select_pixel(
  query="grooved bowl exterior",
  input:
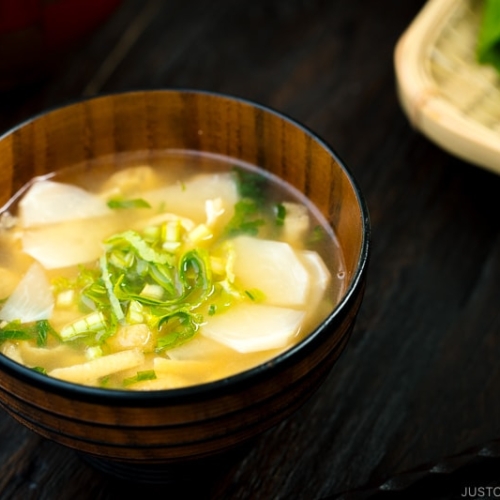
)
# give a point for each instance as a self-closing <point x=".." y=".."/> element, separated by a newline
<point x="162" y="427"/>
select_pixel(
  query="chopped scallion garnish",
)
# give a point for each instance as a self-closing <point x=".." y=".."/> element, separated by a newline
<point x="117" y="203"/>
<point x="92" y="323"/>
<point x="280" y="214"/>
<point x="141" y="376"/>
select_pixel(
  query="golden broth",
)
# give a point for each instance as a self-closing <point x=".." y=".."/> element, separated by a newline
<point x="145" y="271"/>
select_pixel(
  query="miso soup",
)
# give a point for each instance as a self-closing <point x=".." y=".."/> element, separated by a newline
<point x="161" y="271"/>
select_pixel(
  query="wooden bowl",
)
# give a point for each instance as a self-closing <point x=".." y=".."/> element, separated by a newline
<point x="124" y="430"/>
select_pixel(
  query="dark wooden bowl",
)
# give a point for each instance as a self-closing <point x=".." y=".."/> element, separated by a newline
<point x="169" y="427"/>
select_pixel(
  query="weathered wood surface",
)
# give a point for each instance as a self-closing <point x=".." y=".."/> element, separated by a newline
<point x="419" y="380"/>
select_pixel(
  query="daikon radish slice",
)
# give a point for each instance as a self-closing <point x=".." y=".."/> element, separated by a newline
<point x="67" y="243"/>
<point x="201" y="348"/>
<point x="320" y="277"/>
<point x="254" y="327"/>
<point x="272" y="267"/>
<point x="48" y="202"/>
<point x="31" y="300"/>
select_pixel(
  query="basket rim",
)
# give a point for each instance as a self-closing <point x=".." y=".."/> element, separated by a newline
<point x="422" y="99"/>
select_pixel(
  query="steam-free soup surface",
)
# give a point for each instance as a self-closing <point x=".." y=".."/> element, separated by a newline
<point x="159" y="274"/>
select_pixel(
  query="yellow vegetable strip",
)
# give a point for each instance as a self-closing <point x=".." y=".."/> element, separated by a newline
<point x="99" y="367"/>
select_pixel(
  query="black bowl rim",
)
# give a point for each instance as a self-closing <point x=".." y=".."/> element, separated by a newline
<point x="200" y="392"/>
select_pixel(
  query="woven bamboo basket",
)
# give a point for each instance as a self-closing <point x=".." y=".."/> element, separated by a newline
<point x="445" y="93"/>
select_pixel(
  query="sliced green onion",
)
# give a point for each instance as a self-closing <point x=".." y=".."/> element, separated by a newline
<point x="135" y="313"/>
<point x="141" y="375"/>
<point x="132" y="239"/>
<point x="255" y="295"/>
<point x="118" y="203"/>
<point x="114" y="302"/>
<point x="280" y="214"/>
<point x="92" y="323"/>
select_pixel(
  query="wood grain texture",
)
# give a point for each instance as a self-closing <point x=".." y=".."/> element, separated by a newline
<point x="164" y="427"/>
<point x="419" y="380"/>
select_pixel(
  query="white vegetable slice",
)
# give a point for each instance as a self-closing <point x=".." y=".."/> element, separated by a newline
<point x="254" y="327"/>
<point x="31" y="300"/>
<point x="202" y="349"/>
<point x="188" y="371"/>
<point x="272" y="267"/>
<point x="320" y="277"/>
<point x="68" y="243"/>
<point x="48" y="202"/>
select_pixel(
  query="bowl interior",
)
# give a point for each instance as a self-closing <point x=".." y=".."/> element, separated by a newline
<point x="157" y="120"/>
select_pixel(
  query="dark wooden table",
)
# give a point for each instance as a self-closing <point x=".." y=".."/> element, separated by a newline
<point x="414" y="401"/>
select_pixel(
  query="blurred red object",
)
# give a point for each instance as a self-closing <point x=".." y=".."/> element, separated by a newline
<point x="34" y="32"/>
